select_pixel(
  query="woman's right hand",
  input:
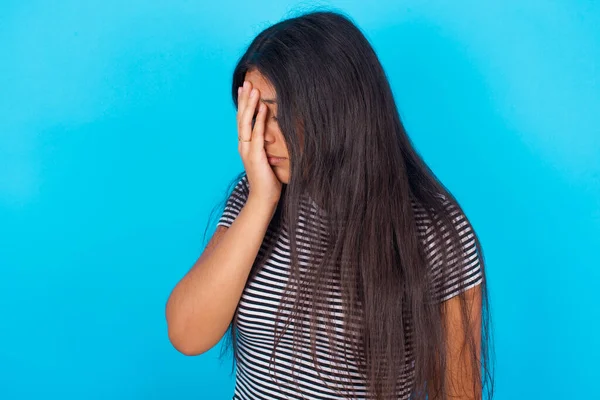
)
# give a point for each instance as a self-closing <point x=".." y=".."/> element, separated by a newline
<point x="264" y="184"/>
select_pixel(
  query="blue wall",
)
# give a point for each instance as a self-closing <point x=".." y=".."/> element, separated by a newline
<point x="117" y="137"/>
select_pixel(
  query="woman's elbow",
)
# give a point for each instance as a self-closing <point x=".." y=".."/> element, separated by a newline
<point x="184" y="342"/>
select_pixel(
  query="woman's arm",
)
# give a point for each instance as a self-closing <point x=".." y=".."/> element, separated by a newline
<point x="460" y="381"/>
<point x="201" y="306"/>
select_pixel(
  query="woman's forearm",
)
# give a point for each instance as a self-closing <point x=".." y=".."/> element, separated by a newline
<point x="203" y="303"/>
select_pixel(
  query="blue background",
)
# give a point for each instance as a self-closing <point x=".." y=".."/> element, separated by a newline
<point x="117" y="138"/>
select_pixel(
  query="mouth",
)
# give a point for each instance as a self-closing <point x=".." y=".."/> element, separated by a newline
<point x="275" y="160"/>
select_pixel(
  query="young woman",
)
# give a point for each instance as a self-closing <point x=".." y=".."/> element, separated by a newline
<point x="342" y="266"/>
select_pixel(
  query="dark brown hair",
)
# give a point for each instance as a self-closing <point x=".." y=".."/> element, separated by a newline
<point x="362" y="169"/>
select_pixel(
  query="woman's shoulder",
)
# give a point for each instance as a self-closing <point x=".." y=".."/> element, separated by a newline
<point x="462" y="270"/>
<point x="244" y="180"/>
<point x="428" y="218"/>
<point x="236" y="199"/>
<point x="242" y="186"/>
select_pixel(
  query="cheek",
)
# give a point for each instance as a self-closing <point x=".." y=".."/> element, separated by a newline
<point x="280" y="140"/>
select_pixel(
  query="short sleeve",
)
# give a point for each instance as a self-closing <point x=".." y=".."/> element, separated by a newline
<point x="455" y="277"/>
<point x="235" y="202"/>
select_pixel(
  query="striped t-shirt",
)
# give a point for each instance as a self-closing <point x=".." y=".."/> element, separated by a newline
<point x="262" y="295"/>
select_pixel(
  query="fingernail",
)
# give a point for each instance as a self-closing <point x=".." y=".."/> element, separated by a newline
<point x="239" y="90"/>
<point x="245" y="84"/>
<point x="253" y="92"/>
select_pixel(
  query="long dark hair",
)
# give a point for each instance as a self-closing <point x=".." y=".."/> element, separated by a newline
<point x="349" y="151"/>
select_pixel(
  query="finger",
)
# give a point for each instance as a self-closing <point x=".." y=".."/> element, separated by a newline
<point x="242" y="106"/>
<point x="248" y="114"/>
<point x="242" y="99"/>
<point x="240" y="109"/>
<point x="259" y="127"/>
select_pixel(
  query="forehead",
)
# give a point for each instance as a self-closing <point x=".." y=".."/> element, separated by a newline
<point x="261" y="83"/>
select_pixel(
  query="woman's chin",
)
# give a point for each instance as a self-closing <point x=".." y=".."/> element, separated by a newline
<point x="283" y="176"/>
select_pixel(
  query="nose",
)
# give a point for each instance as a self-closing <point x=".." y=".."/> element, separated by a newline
<point x="269" y="137"/>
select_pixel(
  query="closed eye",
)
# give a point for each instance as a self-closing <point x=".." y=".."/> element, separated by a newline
<point x="255" y="115"/>
<point x="254" y="118"/>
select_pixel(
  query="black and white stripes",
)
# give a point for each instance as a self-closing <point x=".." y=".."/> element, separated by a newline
<point x="262" y="296"/>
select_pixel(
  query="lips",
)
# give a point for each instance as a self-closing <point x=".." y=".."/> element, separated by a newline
<point x="275" y="160"/>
